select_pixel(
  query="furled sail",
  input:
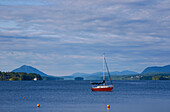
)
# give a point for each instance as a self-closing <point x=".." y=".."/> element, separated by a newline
<point x="95" y="83"/>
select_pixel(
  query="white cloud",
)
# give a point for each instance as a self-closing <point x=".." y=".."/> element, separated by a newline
<point x="78" y="32"/>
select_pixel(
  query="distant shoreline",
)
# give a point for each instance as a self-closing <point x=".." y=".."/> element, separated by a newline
<point x="18" y="76"/>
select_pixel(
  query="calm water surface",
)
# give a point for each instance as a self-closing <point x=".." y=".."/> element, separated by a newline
<point x="76" y="96"/>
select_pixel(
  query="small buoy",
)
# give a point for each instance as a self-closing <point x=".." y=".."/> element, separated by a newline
<point x="108" y="106"/>
<point x="38" y="105"/>
<point x="24" y="97"/>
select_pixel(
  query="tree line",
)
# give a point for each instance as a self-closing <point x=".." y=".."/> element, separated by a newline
<point x="12" y="76"/>
<point x="147" y="76"/>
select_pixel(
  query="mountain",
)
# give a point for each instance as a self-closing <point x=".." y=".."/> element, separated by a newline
<point x="156" y="69"/>
<point x="68" y="77"/>
<point x="126" y="72"/>
<point x="79" y="74"/>
<point x="98" y="75"/>
<point x="29" y="69"/>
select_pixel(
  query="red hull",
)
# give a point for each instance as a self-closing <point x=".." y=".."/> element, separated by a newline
<point x="102" y="89"/>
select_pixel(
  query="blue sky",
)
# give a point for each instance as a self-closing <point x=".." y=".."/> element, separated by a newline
<point x="61" y="37"/>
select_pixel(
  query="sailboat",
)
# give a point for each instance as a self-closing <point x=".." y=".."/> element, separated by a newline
<point x="101" y="86"/>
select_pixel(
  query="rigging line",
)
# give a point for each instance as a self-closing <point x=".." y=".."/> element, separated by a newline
<point x="108" y="71"/>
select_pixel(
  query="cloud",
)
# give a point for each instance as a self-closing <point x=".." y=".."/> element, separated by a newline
<point x="54" y="35"/>
<point x="25" y="3"/>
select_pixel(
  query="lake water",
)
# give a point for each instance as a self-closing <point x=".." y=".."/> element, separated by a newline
<point x="76" y="96"/>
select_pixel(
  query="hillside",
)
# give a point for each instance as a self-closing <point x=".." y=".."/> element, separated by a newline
<point x="126" y="72"/>
<point x="156" y="69"/>
<point x="12" y="76"/>
<point x="99" y="75"/>
<point x="29" y="69"/>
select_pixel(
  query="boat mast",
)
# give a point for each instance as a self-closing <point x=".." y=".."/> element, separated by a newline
<point x="103" y="70"/>
<point x="108" y="71"/>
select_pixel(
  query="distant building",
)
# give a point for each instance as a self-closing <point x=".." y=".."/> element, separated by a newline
<point x="137" y="76"/>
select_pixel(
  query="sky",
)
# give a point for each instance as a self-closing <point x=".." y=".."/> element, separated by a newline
<point x="62" y="37"/>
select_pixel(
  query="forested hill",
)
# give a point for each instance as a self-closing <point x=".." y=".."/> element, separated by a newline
<point x="29" y="69"/>
<point x="156" y="69"/>
<point x="7" y="76"/>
